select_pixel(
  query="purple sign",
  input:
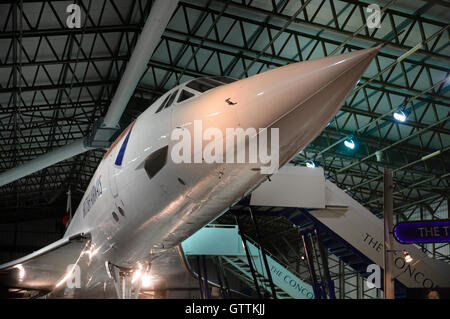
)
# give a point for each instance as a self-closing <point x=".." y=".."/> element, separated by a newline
<point x="433" y="231"/>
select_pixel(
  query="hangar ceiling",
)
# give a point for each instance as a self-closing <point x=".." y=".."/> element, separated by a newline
<point x="56" y="82"/>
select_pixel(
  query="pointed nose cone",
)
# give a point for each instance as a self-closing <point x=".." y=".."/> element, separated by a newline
<point x="301" y="98"/>
<point x="279" y="91"/>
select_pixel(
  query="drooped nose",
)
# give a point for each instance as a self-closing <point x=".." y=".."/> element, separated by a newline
<point x="265" y="98"/>
<point x="300" y="99"/>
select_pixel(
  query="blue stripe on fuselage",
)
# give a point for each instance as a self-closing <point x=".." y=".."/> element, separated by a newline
<point x="119" y="158"/>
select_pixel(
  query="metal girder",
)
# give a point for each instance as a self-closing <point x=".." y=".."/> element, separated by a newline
<point x="324" y="27"/>
<point x="346" y="108"/>
<point x="217" y="45"/>
<point x="233" y="38"/>
<point x="153" y="28"/>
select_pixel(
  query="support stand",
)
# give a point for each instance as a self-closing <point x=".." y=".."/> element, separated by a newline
<point x="122" y="278"/>
<point x="263" y="253"/>
<point x="249" y="258"/>
<point x="322" y="284"/>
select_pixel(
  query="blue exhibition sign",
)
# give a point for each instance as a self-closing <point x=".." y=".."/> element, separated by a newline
<point x="433" y="231"/>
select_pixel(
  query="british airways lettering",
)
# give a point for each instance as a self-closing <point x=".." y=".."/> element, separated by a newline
<point x="93" y="194"/>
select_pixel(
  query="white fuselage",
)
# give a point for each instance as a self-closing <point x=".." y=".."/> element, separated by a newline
<point x="161" y="211"/>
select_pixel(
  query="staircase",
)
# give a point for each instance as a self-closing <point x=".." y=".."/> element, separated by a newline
<point x="243" y="267"/>
<point x="347" y="229"/>
<point x="334" y="244"/>
<point x="225" y="241"/>
<point x="339" y="247"/>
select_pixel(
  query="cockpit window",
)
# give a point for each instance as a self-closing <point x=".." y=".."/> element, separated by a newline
<point x="184" y="95"/>
<point x="172" y="98"/>
<point x="224" y="79"/>
<point x="167" y="102"/>
<point x="203" y="85"/>
<point x="163" y="104"/>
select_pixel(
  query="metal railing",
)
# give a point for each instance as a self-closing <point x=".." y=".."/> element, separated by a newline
<point x="253" y="242"/>
<point x="287" y="266"/>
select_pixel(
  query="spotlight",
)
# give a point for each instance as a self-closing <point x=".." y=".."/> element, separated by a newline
<point x="407" y="256"/>
<point x="21" y="274"/>
<point x="310" y="164"/>
<point x="379" y="155"/>
<point x="136" y="276"/>
<point x="400" y="116"/>
<point x="137" y="273"/>
<point x="349" y="144"/>
<point x="146" y="280"/>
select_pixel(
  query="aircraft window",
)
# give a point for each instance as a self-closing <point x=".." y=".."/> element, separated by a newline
<point x="121" y="211"/>
<point x="184" y="95"/>
<point x="212" y="82"/>
<point x="163" y="104"/>
<point x="203" y="85"/>
<point x="224" y="79"/>
<point x="156" y="161"/>
<point x="114" y="215"/>
<point x="172" y="98"/>
<point x="215" y="82"/>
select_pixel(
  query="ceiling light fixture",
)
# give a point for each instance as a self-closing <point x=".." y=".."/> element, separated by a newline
<point x="310" y="164"/>
<point x="349" y="143"/>
<point x="400" y="116"/>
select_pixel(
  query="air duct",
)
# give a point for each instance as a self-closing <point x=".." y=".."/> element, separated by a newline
<point x="45" y="160"/>
<point x="154" y="27"/>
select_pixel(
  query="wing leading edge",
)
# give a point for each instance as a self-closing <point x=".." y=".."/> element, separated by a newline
<point x="44" y="268"/>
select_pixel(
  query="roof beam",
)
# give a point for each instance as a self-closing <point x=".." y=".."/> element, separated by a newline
<point x="156" y="22"/>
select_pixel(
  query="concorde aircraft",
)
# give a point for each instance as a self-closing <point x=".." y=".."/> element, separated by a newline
<point x="141" y="202"/>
